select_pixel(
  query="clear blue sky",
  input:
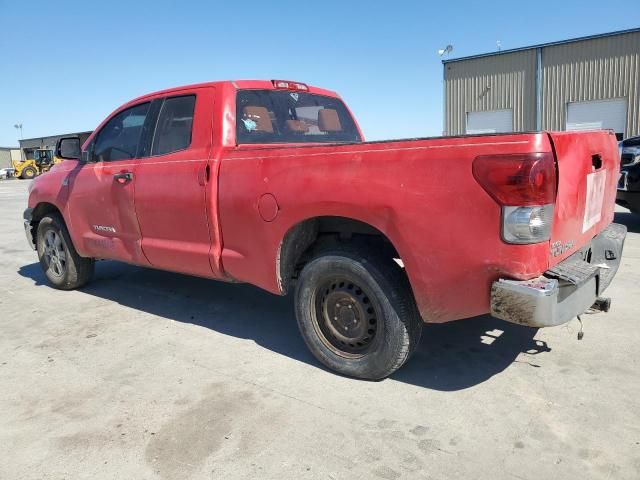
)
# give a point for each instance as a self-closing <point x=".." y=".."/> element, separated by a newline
<point x="65" y="65"/>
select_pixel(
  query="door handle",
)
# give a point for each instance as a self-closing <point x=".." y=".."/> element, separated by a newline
<point x="203" y="175"/>
<point x="123" y="177"/>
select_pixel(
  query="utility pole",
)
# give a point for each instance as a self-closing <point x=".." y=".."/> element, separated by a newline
<point x="18" y="126"/>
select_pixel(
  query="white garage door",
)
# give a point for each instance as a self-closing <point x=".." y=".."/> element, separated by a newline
<point x="598" y="114"/>
<point x="492" y="121"/>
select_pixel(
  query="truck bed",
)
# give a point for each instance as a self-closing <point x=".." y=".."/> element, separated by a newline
<point x="421" y="194"/>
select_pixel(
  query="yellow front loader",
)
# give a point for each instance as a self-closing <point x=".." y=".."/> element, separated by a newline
<point x="43" y="159"/>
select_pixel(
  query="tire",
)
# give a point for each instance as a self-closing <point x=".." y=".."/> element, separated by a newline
<point x="62" y="265"/>
<point x="356" y="313"/>
<point x="28" y="173"/>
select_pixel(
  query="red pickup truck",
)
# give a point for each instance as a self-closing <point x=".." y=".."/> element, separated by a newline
<point x="271" y="183"/>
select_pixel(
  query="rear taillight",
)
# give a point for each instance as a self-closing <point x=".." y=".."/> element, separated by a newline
<point x="524" y="185"/>
<point x="521" y="179"/>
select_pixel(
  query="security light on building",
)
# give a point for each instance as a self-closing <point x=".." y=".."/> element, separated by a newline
<point x="579" y="84"/>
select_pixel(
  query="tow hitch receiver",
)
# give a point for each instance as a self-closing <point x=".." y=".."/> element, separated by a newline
<point x="602" y="304"/>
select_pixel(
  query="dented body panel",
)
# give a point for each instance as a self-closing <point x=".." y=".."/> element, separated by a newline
<point x="222" y="210"/>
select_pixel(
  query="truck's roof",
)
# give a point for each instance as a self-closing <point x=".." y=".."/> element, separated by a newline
<point x="237" y="84"/>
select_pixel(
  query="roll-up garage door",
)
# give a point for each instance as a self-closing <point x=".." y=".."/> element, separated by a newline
<point x="598" y="114"/>
<point x="492" y="121"/>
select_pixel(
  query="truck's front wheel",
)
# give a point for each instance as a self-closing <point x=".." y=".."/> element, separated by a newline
<point x="62" y="265"/>
<point x="357" y="314"/>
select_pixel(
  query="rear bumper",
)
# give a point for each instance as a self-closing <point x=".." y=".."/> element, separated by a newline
<point x="564" y="291"/>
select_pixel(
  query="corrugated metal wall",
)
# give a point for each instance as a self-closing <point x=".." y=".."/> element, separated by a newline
<point x="5" y="158"/>
<point x="597" y="69"/>
<point x="584" y="70"/>
<point x="491" y="83"/>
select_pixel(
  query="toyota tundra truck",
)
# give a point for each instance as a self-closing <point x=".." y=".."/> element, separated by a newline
<point x="271" y="183"/>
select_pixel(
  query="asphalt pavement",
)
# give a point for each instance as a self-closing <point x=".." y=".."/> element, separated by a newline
<point x="145" y="374"/>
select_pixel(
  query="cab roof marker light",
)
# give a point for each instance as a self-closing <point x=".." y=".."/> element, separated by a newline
<point x="289" y="85"/>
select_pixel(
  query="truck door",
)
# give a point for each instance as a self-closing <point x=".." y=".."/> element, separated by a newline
<point x="175" y="197"/>
<point x="101" y="198"/>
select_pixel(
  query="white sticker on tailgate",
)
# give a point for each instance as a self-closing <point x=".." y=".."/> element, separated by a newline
<point x="595" y="196"/>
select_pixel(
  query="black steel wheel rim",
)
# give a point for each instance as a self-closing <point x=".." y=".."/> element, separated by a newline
<point x="347" y="317"/>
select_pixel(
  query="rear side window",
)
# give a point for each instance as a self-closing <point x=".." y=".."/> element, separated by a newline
<point x="278" y="116"/>
<point x="175" y="122"/>
<point x="120" y="137"/>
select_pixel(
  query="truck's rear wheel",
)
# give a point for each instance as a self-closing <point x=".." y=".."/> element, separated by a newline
<point x="357" y="314"/>
<point x="28" y="172"/>
<point x="62" y="265"/>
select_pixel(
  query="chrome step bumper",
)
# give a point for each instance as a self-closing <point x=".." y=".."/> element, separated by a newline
<point x="564" y="291"/>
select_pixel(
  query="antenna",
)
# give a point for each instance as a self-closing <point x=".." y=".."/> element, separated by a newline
<point x="446" y="50"/>
<point x="498" y="45"/>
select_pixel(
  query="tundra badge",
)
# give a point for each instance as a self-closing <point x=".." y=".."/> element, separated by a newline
<point x="558" y="248"/>
<point x="104" y="228"/>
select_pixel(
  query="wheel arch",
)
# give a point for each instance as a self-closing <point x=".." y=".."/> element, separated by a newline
<point x="308" y="235"/>
<point x="43" y="208"/>
<point x="38" y="213"/>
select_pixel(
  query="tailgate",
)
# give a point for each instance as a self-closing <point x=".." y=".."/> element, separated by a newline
<point x="588" y="171"/>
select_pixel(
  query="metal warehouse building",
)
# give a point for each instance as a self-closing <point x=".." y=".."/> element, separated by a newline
<point x="583" y="83"/>
<point x="8" y="155"/>
<point x="29" y="145"/>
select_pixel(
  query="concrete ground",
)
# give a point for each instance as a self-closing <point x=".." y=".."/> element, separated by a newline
<point x="150" y="375"/>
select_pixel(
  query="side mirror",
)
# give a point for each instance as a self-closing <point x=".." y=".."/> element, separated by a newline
<point x="68" y="148"/>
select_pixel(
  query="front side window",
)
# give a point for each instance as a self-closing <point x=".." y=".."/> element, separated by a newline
<point x="173" y="130"/>
<point x="279" y="116"/>
<point x="119" y="138"/>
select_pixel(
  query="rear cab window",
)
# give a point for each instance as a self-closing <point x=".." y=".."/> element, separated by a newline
<point x="279" y="116"/>
<point x="174" y="126"/>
